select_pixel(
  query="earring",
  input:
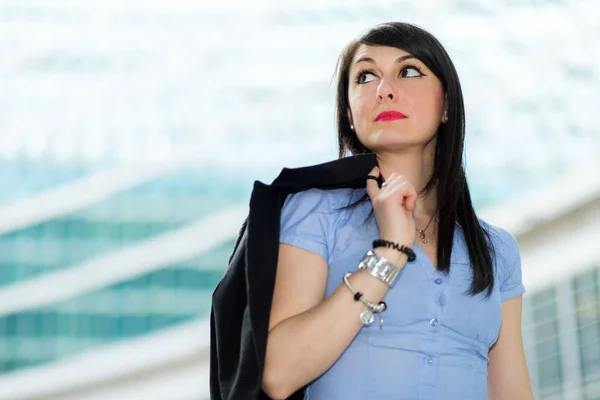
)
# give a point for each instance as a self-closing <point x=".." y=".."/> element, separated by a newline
<point x="351" y="127"/>
<point x="445" y="119"/>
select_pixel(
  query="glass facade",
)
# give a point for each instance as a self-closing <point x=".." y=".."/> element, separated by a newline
<point x="24" y="178"/>
<point x="587" y="302"/>
<point x="547" y="346"/>
<point x="548" y="328"/>
<point x="128" y="218"/>
<point x="161" y="299"/>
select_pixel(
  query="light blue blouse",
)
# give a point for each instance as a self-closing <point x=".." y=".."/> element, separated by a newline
<point x="435" y="339"/>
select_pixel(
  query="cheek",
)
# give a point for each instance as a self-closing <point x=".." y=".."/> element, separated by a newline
<point x="428" y="103"/>
<point x="432" y="102"/>
<point x="360" y="105"/>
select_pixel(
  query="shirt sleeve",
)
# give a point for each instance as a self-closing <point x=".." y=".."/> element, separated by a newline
<point x="305" y="222"/>
<point x="511" y="284"/>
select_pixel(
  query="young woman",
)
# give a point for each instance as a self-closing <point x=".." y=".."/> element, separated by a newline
<point x="353" y="316"/>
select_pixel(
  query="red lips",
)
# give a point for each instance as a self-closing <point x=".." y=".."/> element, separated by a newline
<point x="390" y="116"/>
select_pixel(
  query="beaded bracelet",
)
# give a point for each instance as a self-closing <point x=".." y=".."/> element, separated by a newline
<point x="366" y="317"/>
<point x="403" y="249"/>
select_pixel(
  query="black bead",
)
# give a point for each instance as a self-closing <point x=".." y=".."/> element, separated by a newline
<point x="403" y="249"/>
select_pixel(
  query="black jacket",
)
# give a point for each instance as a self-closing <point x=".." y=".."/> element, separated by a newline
<point x="241" y="303"/>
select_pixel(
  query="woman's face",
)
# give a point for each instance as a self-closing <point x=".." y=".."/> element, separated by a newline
<point x="387" y="79"/>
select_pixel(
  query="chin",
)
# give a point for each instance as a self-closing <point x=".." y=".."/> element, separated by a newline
<point x="390" y="138"/>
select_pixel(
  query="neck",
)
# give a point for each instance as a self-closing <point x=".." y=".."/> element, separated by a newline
<point x="417" y="168"/>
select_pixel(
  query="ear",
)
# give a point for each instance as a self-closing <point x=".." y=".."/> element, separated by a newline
<point x="445" y="113"/>
<point x="349" y="113"/>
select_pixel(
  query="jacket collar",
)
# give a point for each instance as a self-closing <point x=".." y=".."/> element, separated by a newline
<point x="345" y="172"/>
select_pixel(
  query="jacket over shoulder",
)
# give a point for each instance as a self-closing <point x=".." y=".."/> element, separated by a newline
<point x="241" y="303"/>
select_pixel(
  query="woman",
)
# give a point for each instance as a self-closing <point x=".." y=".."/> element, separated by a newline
<point x="444" y="326"/>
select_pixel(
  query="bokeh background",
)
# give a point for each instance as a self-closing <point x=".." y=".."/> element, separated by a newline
<point x="131" y="132"/>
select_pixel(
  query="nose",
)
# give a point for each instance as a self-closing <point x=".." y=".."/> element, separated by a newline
<point x="385" y="92"/>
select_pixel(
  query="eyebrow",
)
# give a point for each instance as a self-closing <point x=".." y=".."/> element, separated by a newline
<point x="398" y="60"/>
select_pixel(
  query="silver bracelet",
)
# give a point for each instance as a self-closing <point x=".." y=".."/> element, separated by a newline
<point x="366" y="317"/>
<point x="380" y="268"/>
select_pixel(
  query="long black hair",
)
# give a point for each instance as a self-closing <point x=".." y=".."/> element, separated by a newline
<point x="453" y="197"/>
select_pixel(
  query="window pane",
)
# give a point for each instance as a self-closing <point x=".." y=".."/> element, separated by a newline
<point x="548" y="351"/>
<point x="587" y="304"/>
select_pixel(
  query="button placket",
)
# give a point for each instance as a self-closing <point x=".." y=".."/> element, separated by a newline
<point x="431" y="332"/>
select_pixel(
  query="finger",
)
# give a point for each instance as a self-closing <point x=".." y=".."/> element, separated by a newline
<point x="405" y="189"/>
<point x="410" y="198"/>
<point x="391" y="185"/>
<point x="372" y="185"/>
<point x="391" y="179"/>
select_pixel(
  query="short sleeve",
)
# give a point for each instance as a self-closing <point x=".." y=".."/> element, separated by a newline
<point x="511" y="284"/>
<point x="305" y="221"/>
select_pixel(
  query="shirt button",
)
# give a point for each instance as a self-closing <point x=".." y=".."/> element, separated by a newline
<point x="438" y="281"/>
<point x="442" y="300"/>
<point x="433" y="322"/>
<point x="429" y="361"/>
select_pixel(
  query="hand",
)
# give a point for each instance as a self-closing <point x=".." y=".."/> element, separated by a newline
<point x="393" y="204"/>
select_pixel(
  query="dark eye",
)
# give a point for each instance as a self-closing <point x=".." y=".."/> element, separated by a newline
<point x="363" y="77"/>
<point x="410" y="72"/>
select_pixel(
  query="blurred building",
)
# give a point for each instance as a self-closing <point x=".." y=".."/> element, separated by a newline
<point x="131" y="132"/>
<point x="558" y="229"/>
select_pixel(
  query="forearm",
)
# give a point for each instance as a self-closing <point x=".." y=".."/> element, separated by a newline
<point x="302" y="347"/>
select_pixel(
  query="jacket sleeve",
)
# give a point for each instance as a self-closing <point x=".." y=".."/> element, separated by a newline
<point x="233" y="363"/>
<point x="228" y="325"/>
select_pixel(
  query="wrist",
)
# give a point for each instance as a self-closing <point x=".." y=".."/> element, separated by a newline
<point x="380" y="267"/>
<point x="394" y="257"/>
<point x="401" y="251"/>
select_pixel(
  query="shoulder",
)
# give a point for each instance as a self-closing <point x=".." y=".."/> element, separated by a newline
<point x="320" y="200"/>
<point x="505" y="244"/>
<point x="500" y="236"/>
<point x="507" y="261"/>
<point x="309" y="219"/>
<point x="319" y="209"/>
